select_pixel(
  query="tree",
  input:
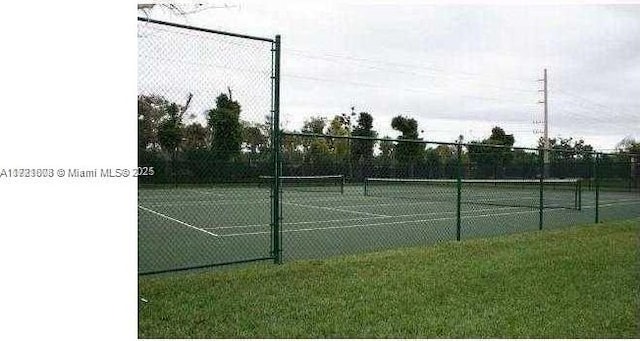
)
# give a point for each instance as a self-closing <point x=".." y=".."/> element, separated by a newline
<point x="491" y="161"/>
<point x="441" y="161"/>
<point x="363" y="149"/>
<point x="314" y="125"/>
<point x="629" y="145"/>
<point x="338" y="127"/>
<point x="499" y="137"/>
<point x="170" y="129"/>
<point x="253" y="137"/>
<point x="292" y="151"/>
<point x="316" y="150"/>
<point x="524" y="165"/>
<point x="226" y="131"/>
<point x="569" y="157"/>
<point x="632" y="147"/>
<point x="255" y="141"/>
<point x="504" y="156"/>
<point x="568" y="149"/>
<point x="407" y="152"/>
<point x="386" y="149"/>
<point x="384" y="162"/>
<point x="160" y="123"/>
<point x="160" y="131"/>
<point x="182" y="10"/>
<point x="195" y="137"/>
<point x="151" y="110"/>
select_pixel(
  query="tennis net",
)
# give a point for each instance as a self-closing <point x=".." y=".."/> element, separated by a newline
<point x="556" y="193"/>
<point x="316" y="183"/>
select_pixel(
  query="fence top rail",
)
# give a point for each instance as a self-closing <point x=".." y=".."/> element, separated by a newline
<point x="355" y="137"/>
<point x="302" y="177"/>
<point x="475" y="181"/>
<point x="194" y="28"/>
<point x="288" y="133"/>
<point x="285" y="133"/>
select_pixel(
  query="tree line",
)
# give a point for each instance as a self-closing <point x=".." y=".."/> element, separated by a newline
<point x="166" y="140"/>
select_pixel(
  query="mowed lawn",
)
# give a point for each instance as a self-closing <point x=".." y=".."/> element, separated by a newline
<point x="580" y="282"/>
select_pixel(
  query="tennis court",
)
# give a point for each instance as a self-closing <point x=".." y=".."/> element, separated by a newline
<point x="188" y="227"/>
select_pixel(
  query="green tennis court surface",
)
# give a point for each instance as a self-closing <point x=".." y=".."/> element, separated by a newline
<point x="200" y="226"/>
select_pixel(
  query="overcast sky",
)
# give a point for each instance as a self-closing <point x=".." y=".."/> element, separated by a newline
<point x="456" y="69"/>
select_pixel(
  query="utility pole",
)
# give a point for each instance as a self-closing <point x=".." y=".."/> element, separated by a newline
<point x="545" y="137"/>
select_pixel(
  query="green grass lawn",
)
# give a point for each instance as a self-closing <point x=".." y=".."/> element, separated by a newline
<point x="580" y="282"/>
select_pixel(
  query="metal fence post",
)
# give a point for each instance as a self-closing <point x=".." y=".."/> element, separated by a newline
<point x="459" y="189"/>
<point x="276" y="210"/>
<point x="596" y="174"/>
<point x="541" y="204"/>
<point x="579" y="194"/>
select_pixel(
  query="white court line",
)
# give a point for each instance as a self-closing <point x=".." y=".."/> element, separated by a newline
<point x="236" y="201"/>
<point x="396" y="204"/>
<point x="205" y="202"/>
<point x="607" y="201"/>
<point x="337" y="209"/>
<point x="375" y="216"/>
<point x="361" y="219"/>
<point x="412" y="221"/>
<point x="178" y="221"/>
<point x="322" y="199"/>
<point x="467" y="200"/>
<point x="386" y="223"/>
<point x="613" y="204"/>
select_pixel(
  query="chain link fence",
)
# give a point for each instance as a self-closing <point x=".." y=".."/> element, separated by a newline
<point x="205" y="117"/>
<point x="411" y="192"/>
<point x="618" y="182"/>
<point x="221" y="194"/>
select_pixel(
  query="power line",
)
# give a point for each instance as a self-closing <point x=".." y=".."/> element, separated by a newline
<point x="407" y="89"/>
<point x="380" y="62"/>
<point x="432" y="72"/>
<point x="582" y="101"/>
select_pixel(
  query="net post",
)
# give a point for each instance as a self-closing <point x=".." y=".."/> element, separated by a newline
<point x="541" y="203"/>
<point x="366" y="181"/>
<point x="276" y="205"/>
<point x="342" y="184"/>
<point x="459" y="191"/>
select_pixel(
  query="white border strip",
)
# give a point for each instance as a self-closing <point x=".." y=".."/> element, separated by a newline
<point x="178" y="221"/>
<point x="385" y="223"/>
<point x="361" y="219"/>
